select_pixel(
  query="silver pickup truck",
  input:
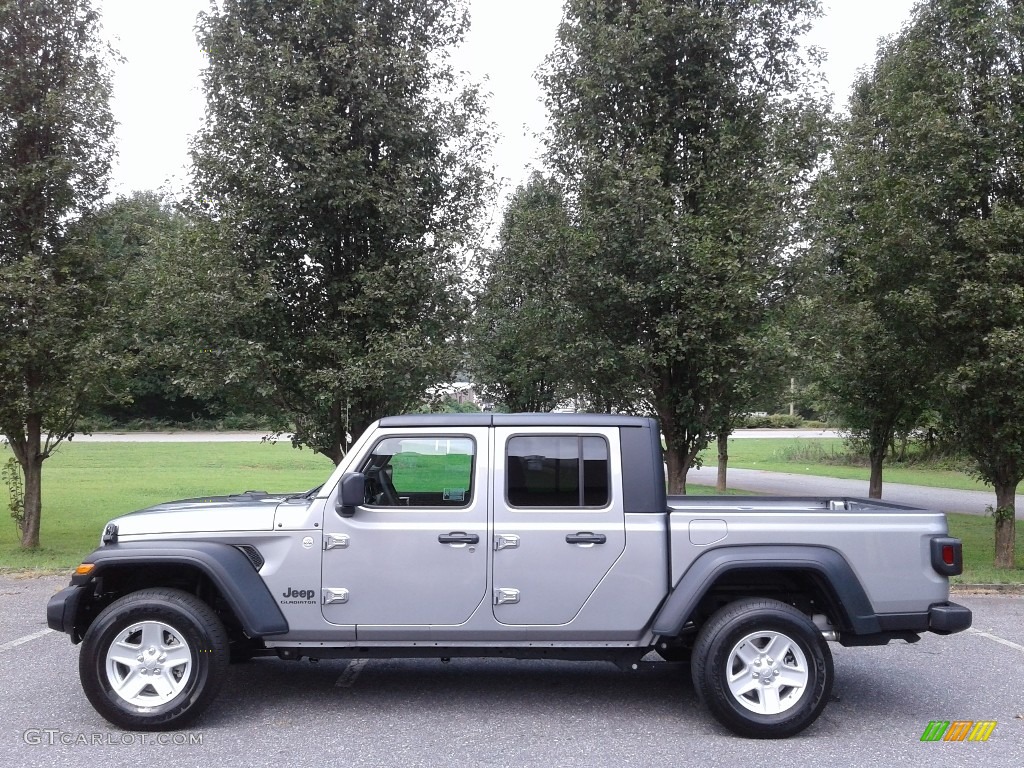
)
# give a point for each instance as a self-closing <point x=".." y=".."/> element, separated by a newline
<point x="520" y="535"/>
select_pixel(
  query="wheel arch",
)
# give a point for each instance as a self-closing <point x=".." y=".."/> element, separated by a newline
<point x="729" y="573"/>
<point x="219" y="573"/>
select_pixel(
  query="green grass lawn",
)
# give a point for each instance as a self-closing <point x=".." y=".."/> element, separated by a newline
<point x="808" y="456"/>
<point x="86" y="484"/>
<point x="978" y="536"/>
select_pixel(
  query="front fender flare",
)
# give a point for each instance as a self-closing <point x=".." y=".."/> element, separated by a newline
<point x="828" y="566"/>
<point x="228" y="569"/>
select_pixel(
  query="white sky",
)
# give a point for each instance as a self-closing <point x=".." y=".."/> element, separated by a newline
<point x="158" y="98"/>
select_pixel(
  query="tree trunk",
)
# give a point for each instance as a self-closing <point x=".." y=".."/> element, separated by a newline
<point x="875" y="483"/>
<point x="676" y="472"/>
<point x="676" y="462"/>
<point x="334" y="453"/>
<point x="1005" y="524"/>
<point x="723" y="460"/>
<point x="33" y="503"/>
<point x="29" y="455"/>
<point x="879" y="440"/>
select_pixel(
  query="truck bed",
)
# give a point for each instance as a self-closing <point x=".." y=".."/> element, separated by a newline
<point x="886" y="545"/>
<point x="791" y="504"/>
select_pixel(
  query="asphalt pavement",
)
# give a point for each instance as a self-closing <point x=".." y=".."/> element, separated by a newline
<point x="500" y="712"/>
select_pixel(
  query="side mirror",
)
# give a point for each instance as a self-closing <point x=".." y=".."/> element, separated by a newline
<point x="352" y="493"/>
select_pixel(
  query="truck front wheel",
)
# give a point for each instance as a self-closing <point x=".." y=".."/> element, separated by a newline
<point x="154" y="659"/>
<point x="762" y="668"/>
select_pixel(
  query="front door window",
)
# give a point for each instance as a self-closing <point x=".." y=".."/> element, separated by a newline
<point x="420" y="472"/>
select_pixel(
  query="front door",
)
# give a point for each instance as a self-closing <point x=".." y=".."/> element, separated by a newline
<point x="415" y="553"/>
<point x="559" y="526"/>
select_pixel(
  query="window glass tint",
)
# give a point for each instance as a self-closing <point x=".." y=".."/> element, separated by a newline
<point x="557" y="471"/>
<point x="420" y="472"/>
<point x="595" y="472"/>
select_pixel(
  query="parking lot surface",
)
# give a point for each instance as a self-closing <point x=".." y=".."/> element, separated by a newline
<point x="517" y="713"/>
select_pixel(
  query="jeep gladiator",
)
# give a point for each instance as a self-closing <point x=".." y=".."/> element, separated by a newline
<point x="516" y="535"/>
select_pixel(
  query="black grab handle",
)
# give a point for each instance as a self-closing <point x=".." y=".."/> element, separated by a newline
<point x="586" y="538"/>
<point x="458" y="537"/>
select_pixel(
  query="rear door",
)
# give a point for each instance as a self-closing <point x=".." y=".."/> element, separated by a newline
<point x="559" y="525"/>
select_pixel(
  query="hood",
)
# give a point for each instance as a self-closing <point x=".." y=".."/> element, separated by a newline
<point x="249" y="511"/>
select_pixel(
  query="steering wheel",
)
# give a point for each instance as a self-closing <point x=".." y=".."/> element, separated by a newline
<point x="387" y="488"/>
<point x="386" y="495"/>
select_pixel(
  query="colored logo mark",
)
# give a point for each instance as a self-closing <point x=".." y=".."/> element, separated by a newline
<point x="958" y="730"/>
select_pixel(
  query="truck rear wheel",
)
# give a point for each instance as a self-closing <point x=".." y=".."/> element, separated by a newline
<point x="154" y="659"/>
<point x="762" y="668"/>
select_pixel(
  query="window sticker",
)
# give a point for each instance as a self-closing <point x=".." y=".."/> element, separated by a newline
<point x="454" y="494"/>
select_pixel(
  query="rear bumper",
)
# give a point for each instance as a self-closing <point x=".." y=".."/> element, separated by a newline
<point x="940" y="618"/>
<point x="947" y="618"/>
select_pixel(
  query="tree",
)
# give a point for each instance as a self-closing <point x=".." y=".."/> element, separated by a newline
<point x="149" y="251"/>
<point x="867" y="317"/>
<point x="136" y="234"/>
<point x="767" y="358"/>
<point x="943" y="239"/>
<point x="684" y="132"/>
<point x="520" y="330"/>
<point x="55" y="151"/>
<point x="971" y="118"/>
<point x="343" y="162"/>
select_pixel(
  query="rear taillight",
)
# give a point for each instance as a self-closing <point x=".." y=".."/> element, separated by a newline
<point x="947" y="556"/>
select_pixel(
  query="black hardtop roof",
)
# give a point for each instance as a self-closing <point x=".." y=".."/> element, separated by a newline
<point x="517" y="420"/>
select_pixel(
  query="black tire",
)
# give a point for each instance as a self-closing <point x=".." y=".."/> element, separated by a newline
<point x="754" y="640"/>
<point x="165" y="649"/>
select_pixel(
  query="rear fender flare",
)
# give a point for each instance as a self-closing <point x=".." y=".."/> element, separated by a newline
<point x="828" y="566"/>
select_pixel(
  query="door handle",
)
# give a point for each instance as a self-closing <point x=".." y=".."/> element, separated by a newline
<point x="458" y="537"/>
<point x="586" y="538"/>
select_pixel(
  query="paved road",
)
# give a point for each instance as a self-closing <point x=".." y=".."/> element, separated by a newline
<point x="786" y="484"/>
<point x="517" y="713"/>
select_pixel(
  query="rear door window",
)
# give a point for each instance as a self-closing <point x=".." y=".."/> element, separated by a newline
<point x="557" y="471"/>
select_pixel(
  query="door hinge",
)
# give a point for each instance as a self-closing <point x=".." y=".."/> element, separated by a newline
<point x="505" y="541"/>
<point x="505" y="596"/>
<point x="336" y="541"/>
<point x="334" y="595"/>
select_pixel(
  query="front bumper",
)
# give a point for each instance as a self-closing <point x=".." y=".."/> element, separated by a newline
<point x="62" y="610"/>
